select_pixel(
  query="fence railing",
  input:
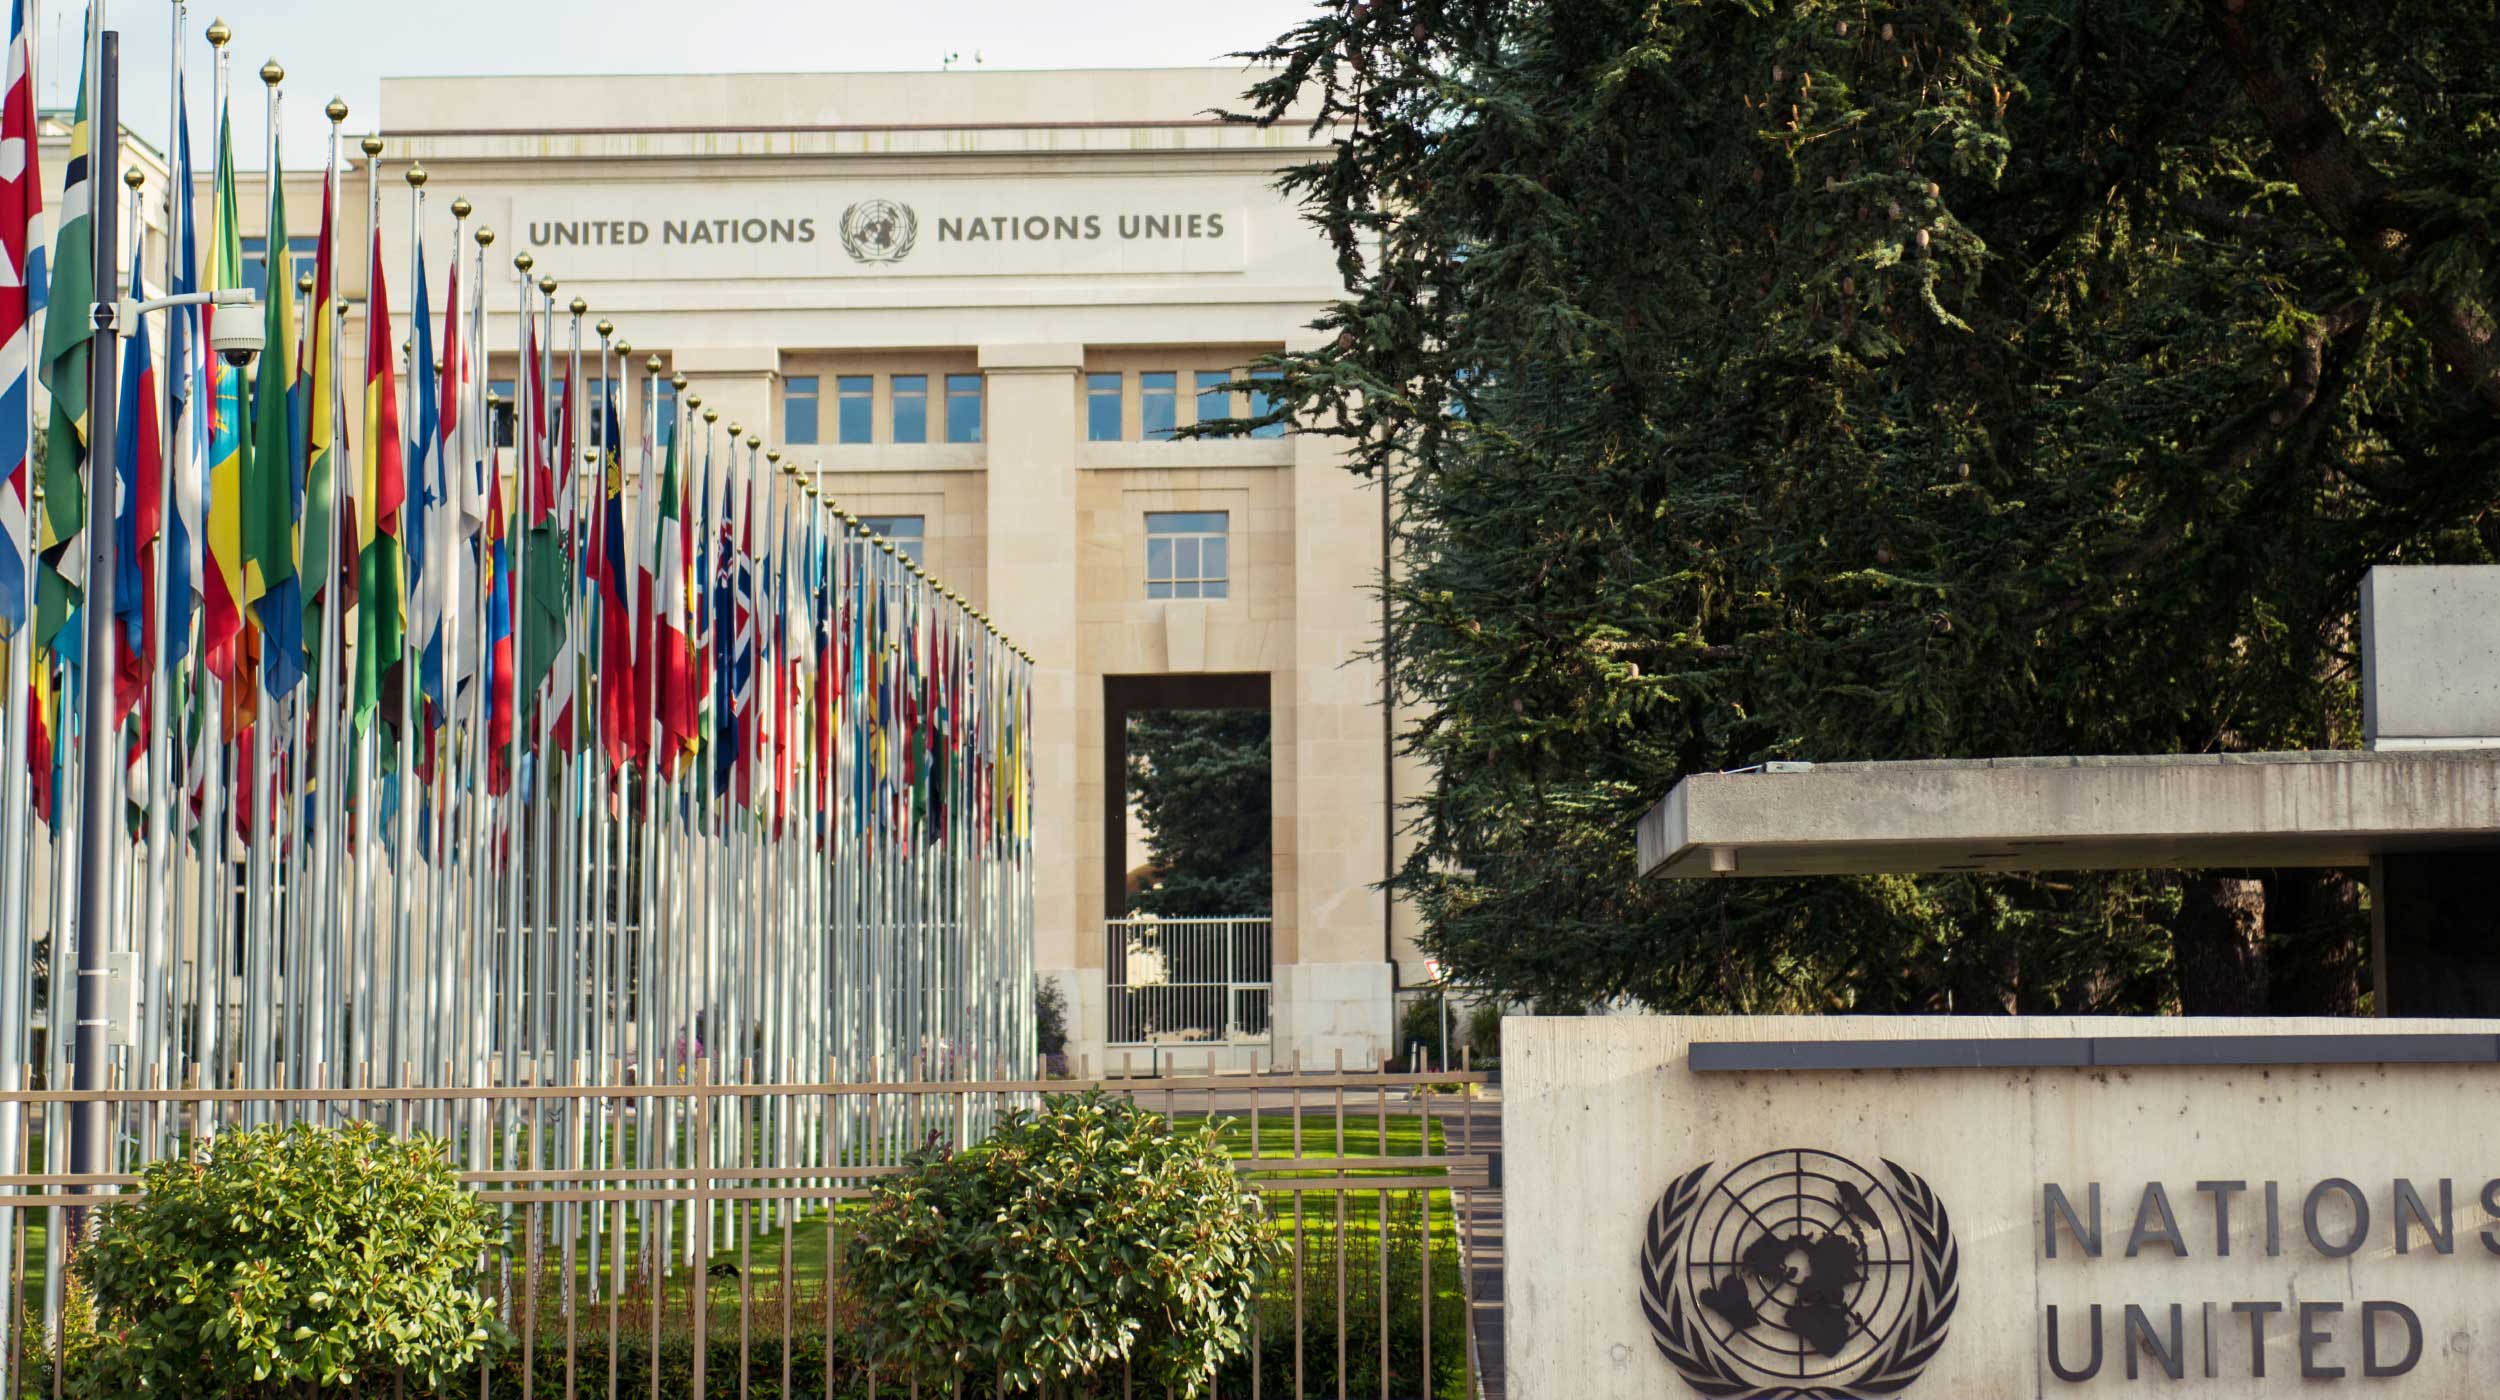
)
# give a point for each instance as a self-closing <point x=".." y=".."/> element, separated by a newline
<point x="1188" y="981"/>
<point x="687" y="1238"/>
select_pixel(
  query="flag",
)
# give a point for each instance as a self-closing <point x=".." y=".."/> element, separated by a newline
<point x="620" y="666"/>
<point x="500" y="673"/>
<point x="222" y="596"/>
<point x="21" y="296"/>
<point x="317" y="371"/>
<point x="64" y="375"/>
<point x="382" y="563"/>
<point x="138" y="469"/>
<point x="272" y="473"/>
<point x="673" y="646"/>
<point x="185" y="545"/>
<point x="432" y="532"/>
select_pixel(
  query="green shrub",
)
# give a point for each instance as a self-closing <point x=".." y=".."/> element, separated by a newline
<point x="280" y="1256"/>
<point x="1484" y="1035"/>
<point x="1078" y="1239"/>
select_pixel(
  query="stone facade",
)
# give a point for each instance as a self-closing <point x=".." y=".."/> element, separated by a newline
<point x="1085" y="186"/>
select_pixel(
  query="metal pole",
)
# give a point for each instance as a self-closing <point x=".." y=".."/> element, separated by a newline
<point x="101" y="816"/>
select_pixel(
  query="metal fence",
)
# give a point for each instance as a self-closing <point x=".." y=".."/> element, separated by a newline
<point x="1188" y="981"/>
<point x="687" y="1238"/>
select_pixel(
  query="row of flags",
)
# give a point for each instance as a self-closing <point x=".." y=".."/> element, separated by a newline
<point x="721" y="608"/>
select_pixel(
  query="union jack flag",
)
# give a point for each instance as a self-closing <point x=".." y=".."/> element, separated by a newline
<point x="21" y="296"/>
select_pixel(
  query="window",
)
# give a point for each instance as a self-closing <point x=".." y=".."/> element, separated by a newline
<point x="1102" y="408"/>
<point x="502" y="390"/>
<point x="303" y="255"/>
<point x="1186" y="554"/>
<point x="909" y="533"/>
<point x="1214" y="399"/>
<point x="855" y="394"/>
<point x="1158" y="395"/>
<point x="911" y="407"/>
<point x="667" y="412"/>
<point x="798" y="409"/>
<point x="963" y="408"/>
<point x="1264" y="402"/>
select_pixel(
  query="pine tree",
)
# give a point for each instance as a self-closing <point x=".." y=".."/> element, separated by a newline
<point x="1845" y="380"/>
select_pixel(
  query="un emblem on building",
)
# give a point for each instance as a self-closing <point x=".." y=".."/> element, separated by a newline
<point x="879" y="231"/>
<point x="1799" y="1275"/>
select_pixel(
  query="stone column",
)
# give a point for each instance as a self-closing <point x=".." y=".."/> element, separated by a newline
<point x="1032" y="501"/>
<point x="1334" y="976"/>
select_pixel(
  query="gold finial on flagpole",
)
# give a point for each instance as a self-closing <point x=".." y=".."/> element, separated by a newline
<point x="579" y="305"/>
<point x="711" y="416"/>
<point x="336" y="111"/>
<point x="524" y="262"/>
<point x="693" y="401"/>
<point x="605" y="327"/>
<point x="371" y="145"/>
<point x="653" y="365"/>
<point x="547" y="284"/>
<point x="485" y="236"/>
<point x="304" y="282"/>
<point x="623" y="348"/>
<point x="734" y="429"/>
<point x="272" y="73"/>
<point x="675" y="381"/>
<point x="773" y="455"/>
<point x="416" y="177"/>
<point x="134" y="177"/>
<point x="460" y="207"/>
<point x="218" y="34"/>
<point x="753" y="442"/>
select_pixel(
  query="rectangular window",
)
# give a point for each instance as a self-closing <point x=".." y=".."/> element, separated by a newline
<point x="855" y="397"/>
<point x="1214" y="400"/>
<point x="1158" y="395"/>
<point x="911" y="408"/>
<point x="594" y="411"/>
<point x="1188" y="554"/>
<point x="303" y="255"/>
<point x="798" y="409"/>
<point x="909" y="533"/>
<point x="1264" y="402"/>
<point x="668" y="413"/>
<point x="963" y="408"/>
<point x="1102" y="408"/>
<point x="502" y="390"/>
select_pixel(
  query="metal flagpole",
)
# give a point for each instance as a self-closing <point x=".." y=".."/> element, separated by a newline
<point x="258" y="1034"/>
<point x="364" y="1038"/>
<point x="329" y="806"/>
<point x="404" y="1002"/>
<point x="97" y="837"/>
<point x="511" y="978"/>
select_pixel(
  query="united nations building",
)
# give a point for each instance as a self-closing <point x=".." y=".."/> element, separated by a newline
<point x="983" y="309"/>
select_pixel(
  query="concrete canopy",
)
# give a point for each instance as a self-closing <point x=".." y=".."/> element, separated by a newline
<point x="2186" y="811"/>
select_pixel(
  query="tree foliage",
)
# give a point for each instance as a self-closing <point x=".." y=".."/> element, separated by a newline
<point x="1201" y="784"/>
<point x="1837" y="379"/>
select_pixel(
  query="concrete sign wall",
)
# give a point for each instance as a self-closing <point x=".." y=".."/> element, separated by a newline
<point x="2043" y="1207"/>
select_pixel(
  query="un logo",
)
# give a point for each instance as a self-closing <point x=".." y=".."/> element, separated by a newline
<point x="1799" y="1275"/>
<point x="879" y="231"/>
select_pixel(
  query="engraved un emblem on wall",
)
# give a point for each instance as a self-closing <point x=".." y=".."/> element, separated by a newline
<point x="1799" y="1275"/>
<point x="879" y="231"/>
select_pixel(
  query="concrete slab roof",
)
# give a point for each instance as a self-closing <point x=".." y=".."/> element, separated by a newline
<point x="2181" y="811"/>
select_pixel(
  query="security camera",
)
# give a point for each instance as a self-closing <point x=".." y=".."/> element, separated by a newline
<point x="236" y="337"/>
<point x="236" y="334"/>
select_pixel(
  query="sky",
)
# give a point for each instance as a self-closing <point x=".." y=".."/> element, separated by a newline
<point x="345" y="48"/>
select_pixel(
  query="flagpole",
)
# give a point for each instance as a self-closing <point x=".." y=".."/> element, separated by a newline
<point x="403" y="931"/>
<point x="103" y="810"/>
